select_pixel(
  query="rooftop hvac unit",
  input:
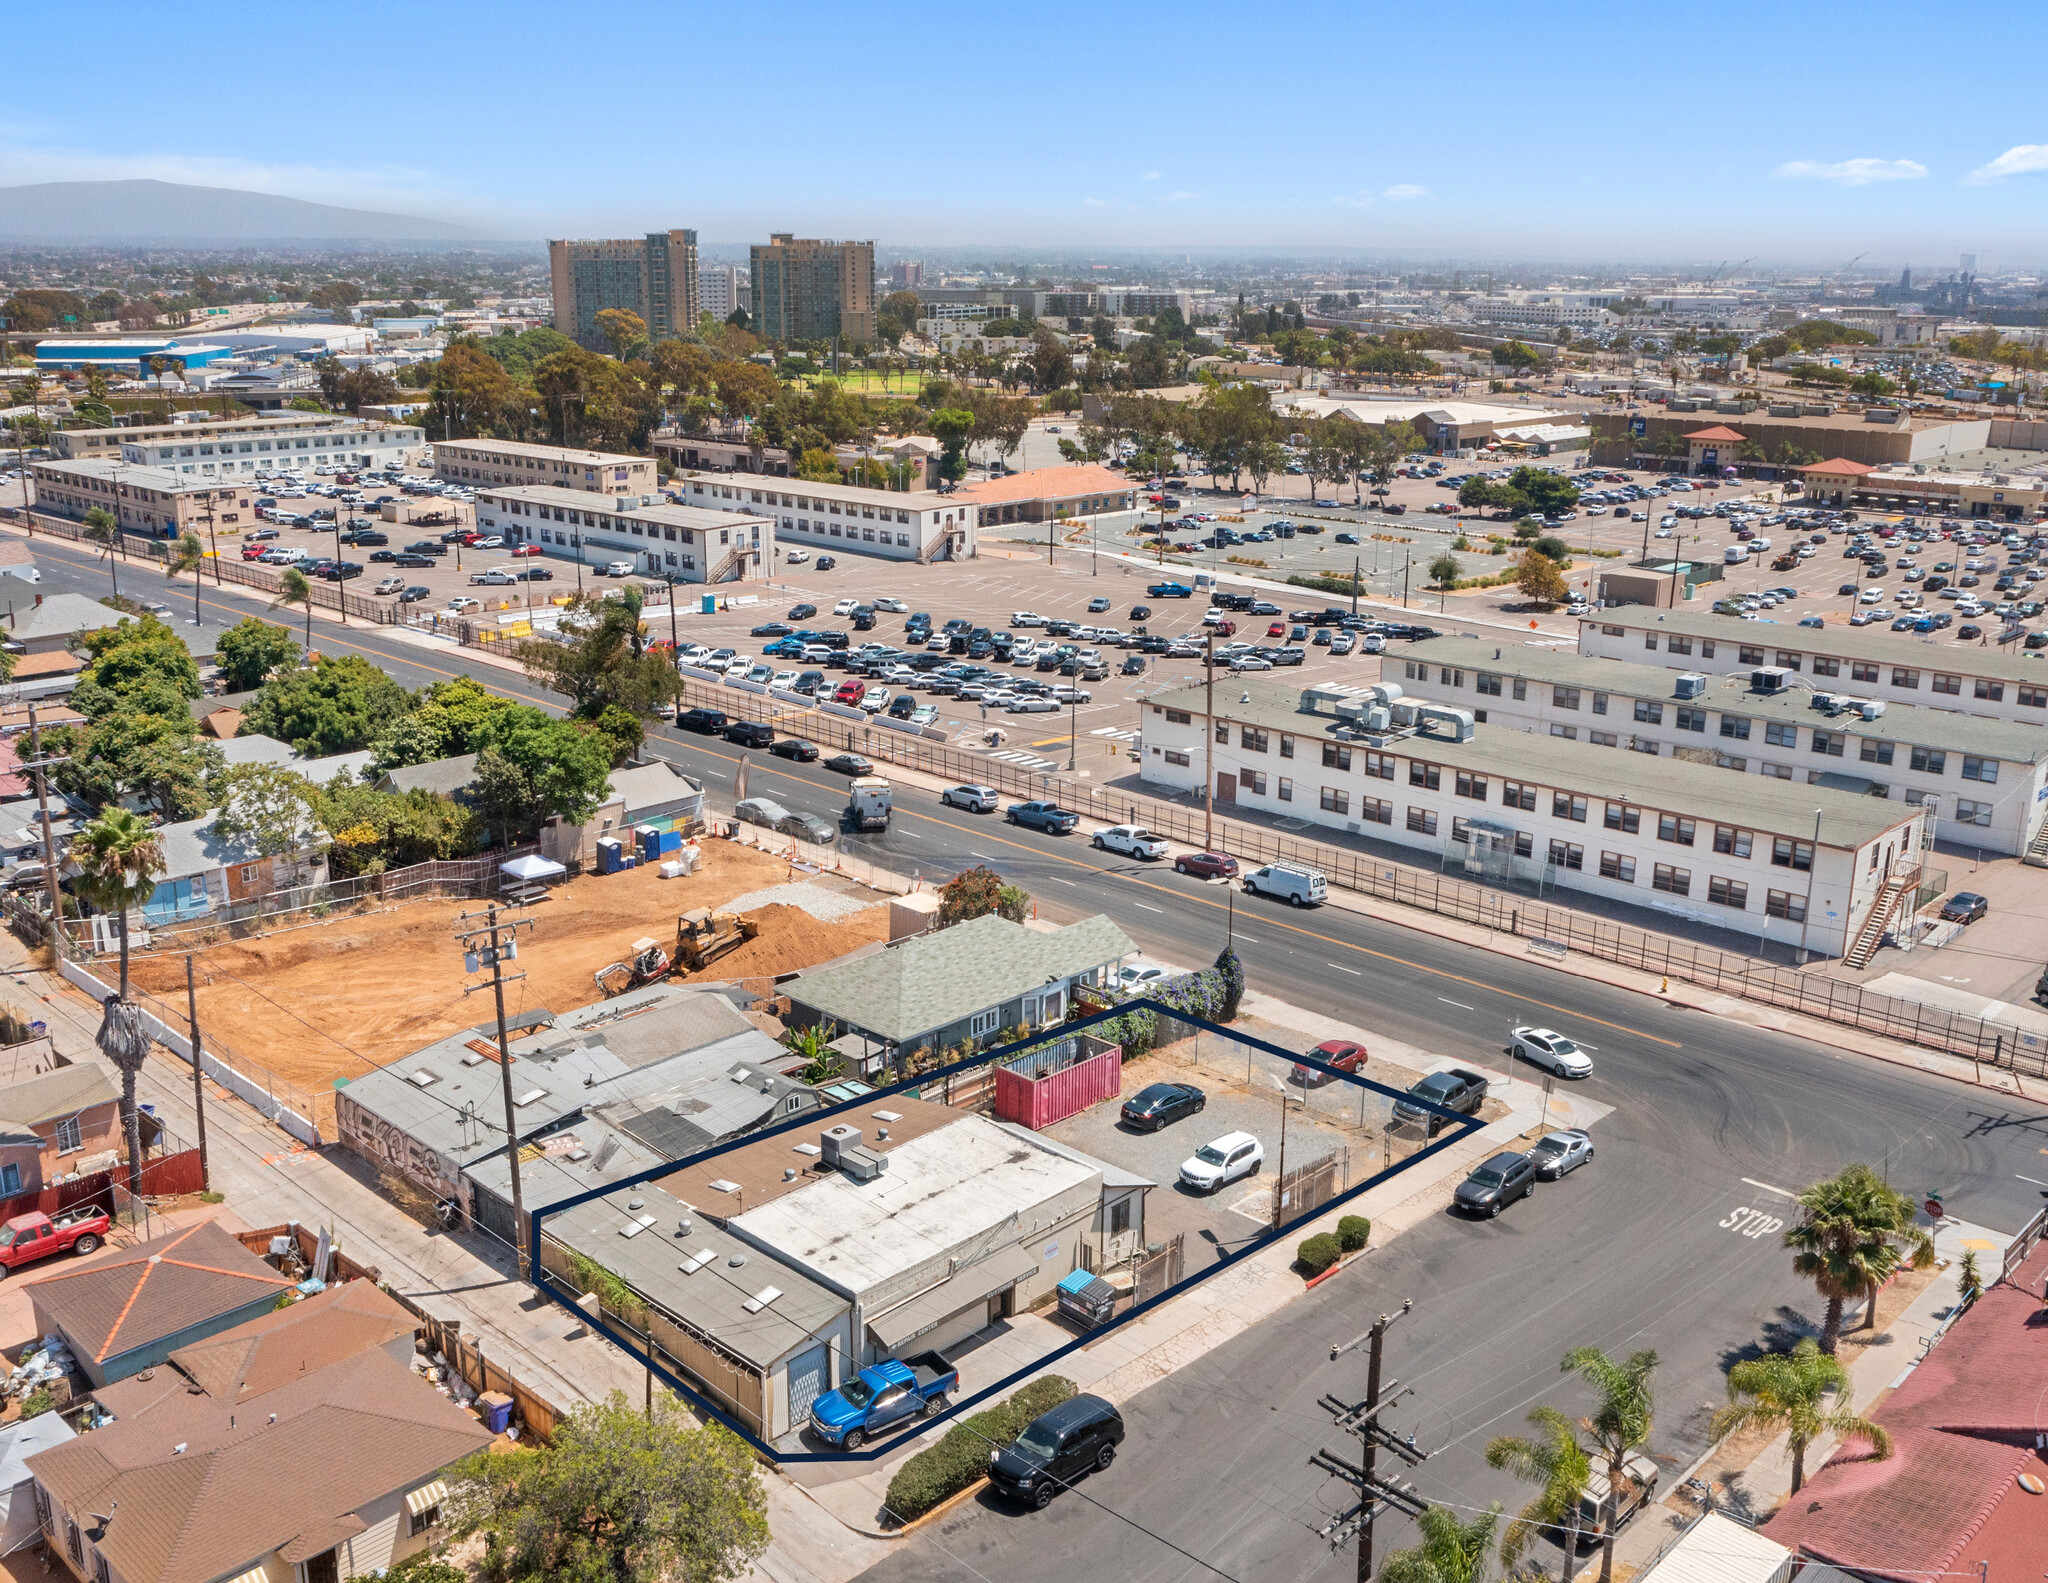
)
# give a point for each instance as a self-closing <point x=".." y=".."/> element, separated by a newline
<point x="862" y="1165"/>
<point x="1691" y="684"/>
<point x="1769" y="679"/>
<point x="1872" y="708"/>
<point x="1379" y="719"/>
<point x="1437" y="720"/>
<point x="834" y="1141"/>
<point x="1403" y="712"/>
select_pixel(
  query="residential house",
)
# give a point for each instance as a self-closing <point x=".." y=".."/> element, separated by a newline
<point x="20" y="1440"/>
<point x="61" y="1124"/>
<point x="127" y="1309"/>
<point x="449" y="777"/>
<point x="56" y="621"/>
<point x="655" y="796"/>
<point x="205" y="871"/>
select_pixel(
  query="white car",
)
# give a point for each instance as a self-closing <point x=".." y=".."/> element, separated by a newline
<point x="1031" y="704"/>
<point x="1871" y="596"/>
<point x="784" y="679"/>
<point x="875" y="700"/>
<point x="975" y="799"/>
<point x="1373" y="643"/>
<point x="460" y="603"/>
<point x="1139" y="975"/>
<point x="1231" y="1156"/>
<point x="796" y="557"/>
<point x="845" y="607"/>
<point x="895" y="605"/>
<point x="1250" y="662"/>
<point x="1133" y="840"/>
<point x="1552" y="1051"/>
<point x="1026" y="618"/>
<point x="738" y="665"/>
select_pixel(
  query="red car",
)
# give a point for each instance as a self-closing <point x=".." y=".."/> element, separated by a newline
<point x="1343" y="1054"/>
<point x="1277" y="630"/>
<point x="850" y="692"/>
<point x="1207" y="865"/>
<point x="251" y="551"/>
<point x="524" y="549"/>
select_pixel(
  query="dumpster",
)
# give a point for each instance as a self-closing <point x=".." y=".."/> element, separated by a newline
<point x="1087" y="1298"/>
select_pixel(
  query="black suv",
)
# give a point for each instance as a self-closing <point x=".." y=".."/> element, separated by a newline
<point x="749" y="733"/>
<point x="704" y="720"/>
<point x="1056" y="1448"/>
<point x="1455" y="1089"/>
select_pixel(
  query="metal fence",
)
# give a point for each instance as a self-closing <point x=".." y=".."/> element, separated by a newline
<point x="1546" y="927"/>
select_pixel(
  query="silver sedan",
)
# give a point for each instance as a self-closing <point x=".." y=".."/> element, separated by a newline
<point x="1560" y="1153"/>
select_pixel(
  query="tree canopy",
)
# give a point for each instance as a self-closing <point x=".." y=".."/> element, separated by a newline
<point x="339" y="705"/>
<point x="250" y="650"/>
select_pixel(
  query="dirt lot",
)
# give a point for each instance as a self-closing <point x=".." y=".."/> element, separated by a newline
<point x="313" y="1004"/>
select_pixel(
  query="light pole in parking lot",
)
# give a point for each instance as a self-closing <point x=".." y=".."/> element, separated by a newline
<point x="1073" y="720"/>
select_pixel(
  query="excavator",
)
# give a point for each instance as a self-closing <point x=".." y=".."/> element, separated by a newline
<point x="648" y="964"/>
<point x="702" y="937"/>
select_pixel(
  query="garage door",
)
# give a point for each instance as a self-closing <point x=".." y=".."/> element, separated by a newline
<point x="955" y="1329"/>
<point x="807" y="1382"/>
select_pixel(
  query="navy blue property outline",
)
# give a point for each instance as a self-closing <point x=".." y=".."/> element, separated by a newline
<point x="1461" y="1126"/>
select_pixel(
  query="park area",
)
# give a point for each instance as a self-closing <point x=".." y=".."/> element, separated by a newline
<point x="333" y="999"/>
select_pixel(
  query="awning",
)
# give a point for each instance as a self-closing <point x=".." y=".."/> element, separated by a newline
<point x="253" y="1575"/>
<point x="426" y="1497"/>
<point x="532" y="866"/>
<point x="975" y="1284"/>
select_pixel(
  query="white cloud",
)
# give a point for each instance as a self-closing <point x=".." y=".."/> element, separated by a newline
<point x="2023" y="159"/>
<point x="1151" y="175"/>
<point x="1091" y="203"/>
<point x="1852" y="172"/>
<point x="1404" y="191"/>
<point x="1355" y="200"/>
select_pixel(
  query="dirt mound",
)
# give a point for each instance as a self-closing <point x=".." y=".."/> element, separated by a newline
<point x="792" y="939"/>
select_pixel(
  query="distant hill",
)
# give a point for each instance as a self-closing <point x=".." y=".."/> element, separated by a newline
<point x="167" y="212"/>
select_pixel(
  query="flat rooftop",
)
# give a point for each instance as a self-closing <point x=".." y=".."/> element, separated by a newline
<point x="1917" y="651"/>
<point x="555" y="496"/>
<point x="550" y="453"/>
<point x="755" y="1174"/>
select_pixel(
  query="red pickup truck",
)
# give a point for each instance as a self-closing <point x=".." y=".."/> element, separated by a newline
<point x="26" y="1238"/>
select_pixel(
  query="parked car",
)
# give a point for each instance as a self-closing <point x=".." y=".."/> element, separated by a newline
<point x="1552" y="1051"/>
<point x="708" y="721"/>
<point x="850" y="764"/>
<point x="27" y="1238"/>
<point x="1454" y="1089"/>
<point x="750" y="733"/>
<point x="391" y="585"/>
<point x="1056" y="1448"/>
<point x="1047" y="816"/>
<point x="1207" y="865"/>
<point x="1964" y="907"/>
<point x="1558" y="1154"/>
<point x="890" y="1392"/>
<point x="496" y="577"/>
<point x="1161" y="1105"/>
<point x="415" y="593"/>
<point x="807" y="827"/>
<point x="796" y="749"/>
<point x="1343" y="1055"/>
<point x="763" y="811"/>
<point x="534" y="574"/>
<point x="1300" y="887"/>
<point x="1131" y="840"/>
<point x="1496" y="1183"/>
<point x="801" y="612"/>
<point x="975" y="799"/>
<point x="1215" y="1165"/>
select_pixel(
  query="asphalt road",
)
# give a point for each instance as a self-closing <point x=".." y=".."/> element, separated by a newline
<point x="1646" y="1247"/>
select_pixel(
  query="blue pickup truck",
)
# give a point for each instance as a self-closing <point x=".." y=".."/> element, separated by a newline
<point x="1170" y="591"/>
<point x="1047" y="816"/>
<point x="891" y="1392"/>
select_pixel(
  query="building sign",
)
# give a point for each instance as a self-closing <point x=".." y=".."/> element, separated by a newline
<point x="1638" y="427"/>
<point x="1709" y="458"/>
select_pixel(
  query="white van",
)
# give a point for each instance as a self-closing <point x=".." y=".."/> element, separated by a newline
<point x="1735" y="555"/>
<point x="1299" y="886"/>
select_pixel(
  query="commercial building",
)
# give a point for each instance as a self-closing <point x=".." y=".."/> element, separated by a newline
<point x="1782" y="435"/>
<point x="918" y="526"/>
<point x="480" y="462"/>
<point x="808" y="290"/>
<point x="1808" y="861"/>
<point x="158" y="442"/>
<point x="127" y="354"/>
<point x="654" y="276"/>
<point x="1891" y="667"/>
<point x="1044" y="494"/>
<point x="2004" y="497"/>
<point x="1981" y="781"/>
<point x="1581" y="310"/>
<point x="688" y="543"/>
<point x="1445" y="427"/>
<point x="153" y="501"/>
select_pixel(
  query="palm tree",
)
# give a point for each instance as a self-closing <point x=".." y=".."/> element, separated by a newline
<point x="1620" y="1424"/>
<point x="1451" y="1551"/>
<point x="1854" y="1233"/>
<point x="1558" y="1463"/>
<point x="187" y="555"/>
<point x="1791" y="1391"/>
<point x="101" y="528"/>
<point x="119" y="857"/>
<point x="293" y="589"/>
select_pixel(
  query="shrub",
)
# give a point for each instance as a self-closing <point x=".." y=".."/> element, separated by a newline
<point x="1316" y="1254"/>
<point x="1353" y="1231"/>
<point x="942" y="1471"/>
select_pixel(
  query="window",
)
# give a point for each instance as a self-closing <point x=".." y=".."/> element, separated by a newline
<point x="1599" y="703"/>
<point x="1564" y="697"/>
<point x="1518" y="794"/>
<point x="1788" y="853"/>
<point x="1901" y="677"/>
<point x="1612" y="632"/>
<point x="1614" y="866"/>
<point x="1706" y="648"/>
<point x="1673" y="881"/>
<point x="1222" y="732"/>
<point x="1674" y="829"/>
<point x="1286" y="789"/>
<point x="1988" y="689"/>
<point x="1376" y="809"/>
<point x="1286" y="747"/>
<point x="1750" y="654"/>
<point x="1569" y="733"/>
<point x="1461" y="828"/>
<point x="1691" y="719"/>
<point x="1427" y="776"/>
<point x="1649" y="640"/>
<point x="1521" y="688"/>
<point x="1947" y="684"/>
<point x="1728" y="893"/>
<point x="1414" y="672"/>
<point x="1335" y="801"/>
<point x="1563" y="805"/>
<point x="1826" y="667"/>
<point x="1783" y="904"/>
<point x="1730" y="842"/>
<point x="1253" y="781"/>
<point x="248" y="873"/>
<point x="1649" y="711"/>
<point x="1336" y="756"/>
<point x="1778" y="772"/>
<point x="1620" y="816"/>
<point x="1829" y="742"/>
<point x="1422" y="821"/>
<point x="69" y="1139"/>
<point x="1872" y="751"/>
<point x="1252" y="740"/>
<point x="1781" y="734"/>
<point x="1789" y="660"/>
<point x="1380" y="766"/>
<point x="1735" y="727"/>
<point x="1489" y="684"/>
<point x="1977" y="813"/>
<point x="1180" y="759"/>
<point x="1120" y="1217"/>
<point x="1930" y="761"/>
<point x="1178" y="717"/>
<point x="1563" y="854"/>
<point x="2033" y="697"/>
<point x="1601" y="739"/>
<point x="1470" y="785"/>
<point x="420" y="1522"/>
<point x="985" y="1022"/>
<point x="1678" y="645"/>
<point x="10" y="1178"/>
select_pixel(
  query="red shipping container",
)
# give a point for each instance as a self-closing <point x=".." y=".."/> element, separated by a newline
<point x="1059" y="1081"/>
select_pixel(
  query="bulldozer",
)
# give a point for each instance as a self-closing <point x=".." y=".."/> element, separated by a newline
<point x="703" y="936"/>
<point x="648" y="963"/>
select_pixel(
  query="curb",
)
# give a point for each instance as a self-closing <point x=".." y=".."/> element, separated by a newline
<point x="932" y="1516"/>
<point x="1341" y="1265"/>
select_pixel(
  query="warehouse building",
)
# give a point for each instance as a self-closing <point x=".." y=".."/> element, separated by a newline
<point x="684" y="544"/>
<point x="1981" y="781"/>
<point x="1498" y="804"/>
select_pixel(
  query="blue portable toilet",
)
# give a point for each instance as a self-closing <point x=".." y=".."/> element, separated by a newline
<point x="610" y="857"/>
<point x="707" y="605"/>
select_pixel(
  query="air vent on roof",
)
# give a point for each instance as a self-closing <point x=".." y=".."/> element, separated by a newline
<point x="605" y="1151"/>
<point x="723" y="1186"/>
<point x="530" y="1096"/>
<point x="426" y="1079"/>
<point x="761" y="1299"/>
<point x="736" y="1261"/>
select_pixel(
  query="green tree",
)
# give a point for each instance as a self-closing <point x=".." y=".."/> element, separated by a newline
<point x="1516" y="355"/>
<point x="136" y="664"/>
<point x="622" y="731"/>
<point x="1557" y="1464"/>
<point x="1544" y="490"/>
<point x="1805" y="1394"/>
<point x="250" y="650"/>
<point x="972" y="893"/>
<point x="1872" y="383"/>
<point x="951" y="426"/>
<point x="603" y="660"/>
<point x="137" y="752"/>
<point x="1853" y="1234"/>
<point x="563" y="769"/>
<point x="1445" y="570"/>
<point x="339" y="705"/>
<point x="118" y="858"/>
<point x="375" y="830"/>
<point x="187" y="555"/>
<point x="1453" y="1549"/>
<point x="265" y="805"/>
<point x="618" y="1497"/>
<point x="1620" y="1424"/>
<point x="622" y="329"/>
<point x="293" y="589"/>
<point x="1539" y="579"/>
<point x="818" y="465"/>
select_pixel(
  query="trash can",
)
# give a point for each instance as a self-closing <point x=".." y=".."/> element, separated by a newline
<point x="1086" y="1298"/>
<point x="496" y="1408"/>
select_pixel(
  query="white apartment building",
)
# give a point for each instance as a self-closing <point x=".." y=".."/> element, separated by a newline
<point x="1782" y="861"/>
<point x="243" y="447"/>
<point x="721" y="288"/>
<point x="1870" y="662"/>
<point x="685" y="544"/>
<point x="1578" y="309"/>
<point x="844" y="518"/>
<point x="1981" y="781"/>
<point x="501" y="462"/>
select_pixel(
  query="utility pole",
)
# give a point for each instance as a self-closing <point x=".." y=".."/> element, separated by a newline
<point x="1354" y="584"/>
<point x="500" y="944"/>
<point x="1208" y="750"/>
<point x="1407" y="566"/>
<point x="38" y="763"/>
<point x="1375" y="1494"/>
<point x="198" y="1085"/>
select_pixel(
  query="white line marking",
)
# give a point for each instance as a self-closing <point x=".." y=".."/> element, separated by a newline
<point x="1067" y="882"/>
<point x="1458" y="1003"/>
<point x="1766" y="1186"/>
<point x="916" y="837"/>
<point x="1343" y="969"/>
<point x="1248" y="938"/>
<point x="1148" y="909"/>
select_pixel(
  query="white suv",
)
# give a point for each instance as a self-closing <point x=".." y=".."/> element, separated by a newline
<point x="1215" y="1164"/>
<point x="1026" y="618"/>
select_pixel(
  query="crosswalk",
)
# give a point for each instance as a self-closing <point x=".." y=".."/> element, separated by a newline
<point x="1017" y="756"/>
<point x="1114" y="734"/>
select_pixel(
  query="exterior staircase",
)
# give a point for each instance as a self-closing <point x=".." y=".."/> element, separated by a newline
<point x="2037" y="849"/>
<point x="1897" y="887"/>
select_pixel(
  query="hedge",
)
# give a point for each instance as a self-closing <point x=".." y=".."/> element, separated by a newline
<point x="1353" y="1232"/>
<point x="957" y="1461"/>
<point x="1212" y="994"/>
<point x="1316" y="1254"/>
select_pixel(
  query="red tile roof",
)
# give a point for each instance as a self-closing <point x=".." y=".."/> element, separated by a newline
<point x="1718" y="433"/>
<point x="1840" y="464"/>
<point x="1963" y="1427"/>
<point x="1048" y="483"/>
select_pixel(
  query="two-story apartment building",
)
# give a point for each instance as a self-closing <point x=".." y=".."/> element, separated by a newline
<point x="1786" y="860"/>
<point x="687" y="544"/>
<point x="154" y="501"/>
<point x="1983" y="782"/>
<point x="484" y="462"/>
<point x="840" y="519"/>
<point x="244" y="447"/>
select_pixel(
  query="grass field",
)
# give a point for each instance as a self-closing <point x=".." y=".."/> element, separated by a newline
<point x="872" y="382"/>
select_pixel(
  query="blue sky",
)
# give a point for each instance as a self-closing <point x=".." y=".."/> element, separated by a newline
<point x="1797" y="132"/>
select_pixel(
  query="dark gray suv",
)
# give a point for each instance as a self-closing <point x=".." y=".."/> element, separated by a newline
<point x="1078" y="1436"/>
